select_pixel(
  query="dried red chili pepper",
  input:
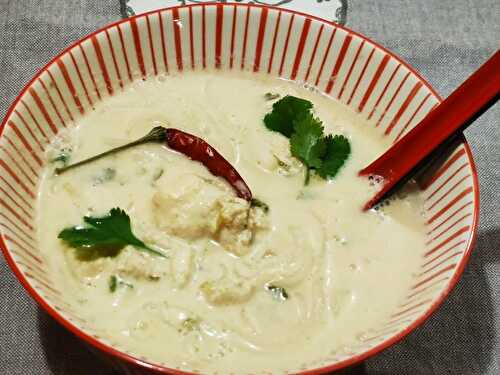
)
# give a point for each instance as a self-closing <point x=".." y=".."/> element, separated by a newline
<point x="197" y="149"/>
<point x="187" y="144"/>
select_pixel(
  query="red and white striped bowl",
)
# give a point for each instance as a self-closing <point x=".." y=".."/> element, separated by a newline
<point x="339" y="62"/>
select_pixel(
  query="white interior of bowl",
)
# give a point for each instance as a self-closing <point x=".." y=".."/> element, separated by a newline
<point x="281" y="43"/>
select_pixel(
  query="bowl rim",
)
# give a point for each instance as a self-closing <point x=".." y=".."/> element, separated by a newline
<point x="356" y="359"/>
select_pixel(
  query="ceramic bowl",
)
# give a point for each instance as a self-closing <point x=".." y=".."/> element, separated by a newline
<point x="337" y="61"/>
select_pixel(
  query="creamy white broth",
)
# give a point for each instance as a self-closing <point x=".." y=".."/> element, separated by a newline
<point x="205" y="307"/>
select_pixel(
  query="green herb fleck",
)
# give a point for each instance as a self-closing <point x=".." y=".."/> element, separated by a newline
<point x="109" y="173"/>
<point x="190" y="324"/>
<point x="278" y="293"/>
<point x="158" y="174"/>
<point x="104" y="236"/>
<point x="292" y="117"/>
<point x="106" y="175"/>
<point x="271" y="96"/>
<point x="258" y="203"/>
<point x="62" y="158"/>
<point x="113" y="282"/>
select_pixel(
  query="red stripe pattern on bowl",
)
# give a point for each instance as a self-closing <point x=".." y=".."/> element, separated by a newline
<point x="337" y="61"/>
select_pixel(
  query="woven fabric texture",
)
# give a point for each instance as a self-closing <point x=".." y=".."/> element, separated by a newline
<point x="446" y="40"/>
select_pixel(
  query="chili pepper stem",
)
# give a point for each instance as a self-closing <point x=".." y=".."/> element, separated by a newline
<point x="187" y="144"/>
<point x="157" y="134"/>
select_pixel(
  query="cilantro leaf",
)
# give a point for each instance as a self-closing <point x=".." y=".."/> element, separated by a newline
<point x="293" y="118"/>
<point x="306" y="143"/>
<point x="285" y="112"/>
<point x="337" y="150"/>
<point x="99" y="235"/>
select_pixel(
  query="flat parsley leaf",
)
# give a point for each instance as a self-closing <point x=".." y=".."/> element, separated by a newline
<point x="336" y="153"/>
<point x="100" y="234"/>
<point x="285" y="112"/>
<point x="292" y="117"/>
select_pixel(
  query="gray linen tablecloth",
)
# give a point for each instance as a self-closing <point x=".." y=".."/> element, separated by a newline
<point x="444" y="39"/>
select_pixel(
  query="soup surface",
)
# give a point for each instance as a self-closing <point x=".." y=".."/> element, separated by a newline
<point x="239" y="288"/>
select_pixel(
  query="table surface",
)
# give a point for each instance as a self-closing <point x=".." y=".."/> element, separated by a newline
<point x="446" y="40"/>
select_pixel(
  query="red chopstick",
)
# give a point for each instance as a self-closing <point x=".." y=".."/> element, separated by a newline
<point x="479" y="92"/>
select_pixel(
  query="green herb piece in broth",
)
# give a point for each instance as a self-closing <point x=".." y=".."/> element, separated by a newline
<point x="258" y="203"/>
<point x="109" y="173"/>
<point x="278" y="293"/>
<point x="113" y="282"/>
<point x="106" y="175"/>
<point x="271" y="96"/>
<point x="158" y="174"/>
<point x="63" y="157"/>
<point x="190" y="324"/>
<point x="104" y="236"/>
